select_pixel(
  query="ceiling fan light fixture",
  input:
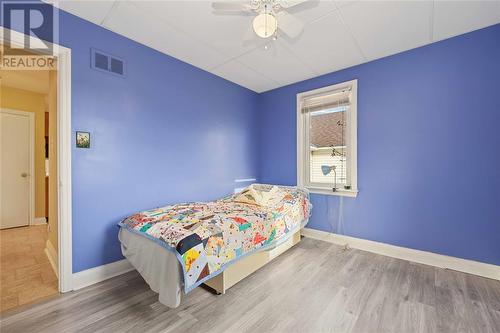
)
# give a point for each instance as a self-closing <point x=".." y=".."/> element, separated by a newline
<point x="265" y="25"/>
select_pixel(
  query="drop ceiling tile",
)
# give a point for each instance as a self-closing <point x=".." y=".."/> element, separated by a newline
<point x="230" y="34"/>
<point x="312" y="10"/>
<point x="326" y="45"/>
<point x="453" y="18"/>
<point x="277" y="63"/>
<point x="93" y="11"/>
<point x="244" y="76"/>
<point x="382" y="28"/>
<point x="160" y="36"/>
<point x="342" y="3"/>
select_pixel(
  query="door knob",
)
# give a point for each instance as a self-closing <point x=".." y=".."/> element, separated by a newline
<point x="24" y="175"/>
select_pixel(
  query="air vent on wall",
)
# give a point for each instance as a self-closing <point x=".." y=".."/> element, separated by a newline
<point x="107" y="63"/>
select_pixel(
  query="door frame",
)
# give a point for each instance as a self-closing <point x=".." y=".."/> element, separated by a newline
<point x="31" y="120"/>
<point x="65" y="262"/>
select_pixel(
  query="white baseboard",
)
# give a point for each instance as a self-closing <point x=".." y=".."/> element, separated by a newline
<point x="40" y="221"/>
<point x="100" y="273"/>
<point x="422" y="257"/>
<point x="51" y="253"/>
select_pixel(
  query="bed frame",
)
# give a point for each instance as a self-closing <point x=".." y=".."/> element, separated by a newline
<point x="246" y="266"/>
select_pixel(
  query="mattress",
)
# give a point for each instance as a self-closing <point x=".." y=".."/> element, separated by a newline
<point x="160" y="268"/>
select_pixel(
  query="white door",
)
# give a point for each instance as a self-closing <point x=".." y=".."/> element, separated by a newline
<point x="16" y="147"/>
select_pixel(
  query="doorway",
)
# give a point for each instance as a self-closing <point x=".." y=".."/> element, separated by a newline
<point x="28" y="185"/>
<point x="62" y="159"/>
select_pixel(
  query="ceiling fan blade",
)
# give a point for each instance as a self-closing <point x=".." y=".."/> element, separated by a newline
<point x="231" y="6"/>
<point x="249" y="38"/>
<point x="291" y="3"/>
<point x="289" y="24"/>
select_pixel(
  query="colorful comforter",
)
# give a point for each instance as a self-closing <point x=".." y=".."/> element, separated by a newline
<point x="208" y="236"/>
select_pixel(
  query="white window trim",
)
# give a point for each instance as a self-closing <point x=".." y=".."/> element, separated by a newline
<point x="303" y="133"/>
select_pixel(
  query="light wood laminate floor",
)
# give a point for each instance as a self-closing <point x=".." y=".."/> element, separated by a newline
<point x="314" y="287"/>
<point x="25" y="271"/>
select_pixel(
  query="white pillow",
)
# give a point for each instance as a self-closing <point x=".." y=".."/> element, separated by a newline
<point x="249" y="196"/>
<point x="273" y="196"/>
<point x="261" y="196"/>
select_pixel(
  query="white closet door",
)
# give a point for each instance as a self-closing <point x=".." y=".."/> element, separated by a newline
<point x="16" y="179"/>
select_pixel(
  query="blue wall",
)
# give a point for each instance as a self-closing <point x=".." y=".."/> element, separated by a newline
<point x="428" y="148"/>
<point x="168" y="132"/>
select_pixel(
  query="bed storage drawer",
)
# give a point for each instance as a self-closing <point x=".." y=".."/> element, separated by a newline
<point x="246" y="266"/>
<point x="273" y="253"/>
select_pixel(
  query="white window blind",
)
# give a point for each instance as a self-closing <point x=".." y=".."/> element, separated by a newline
<point x="327" y="101"/>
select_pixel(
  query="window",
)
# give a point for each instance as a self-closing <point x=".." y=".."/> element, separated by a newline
<point x="326" y="139"/>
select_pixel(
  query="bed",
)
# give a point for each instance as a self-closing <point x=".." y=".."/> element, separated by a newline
<point x="178" y="247"/>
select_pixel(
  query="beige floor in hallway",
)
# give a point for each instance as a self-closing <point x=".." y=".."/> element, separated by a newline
<point x="25" y="270"/>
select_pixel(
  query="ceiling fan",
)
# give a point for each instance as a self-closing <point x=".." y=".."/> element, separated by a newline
<point x="270" y="16"/>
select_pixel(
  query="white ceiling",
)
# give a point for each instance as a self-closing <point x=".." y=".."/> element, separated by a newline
<point x="337" y="34"/>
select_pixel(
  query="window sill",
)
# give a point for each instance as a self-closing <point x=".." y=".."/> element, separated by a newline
<point x="339" y="192"/>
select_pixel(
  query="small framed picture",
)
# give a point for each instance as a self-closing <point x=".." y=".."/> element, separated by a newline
<point x="82" y="139"/>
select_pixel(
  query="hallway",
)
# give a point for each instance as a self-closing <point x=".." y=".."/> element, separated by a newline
<point x="26" y="273"/>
